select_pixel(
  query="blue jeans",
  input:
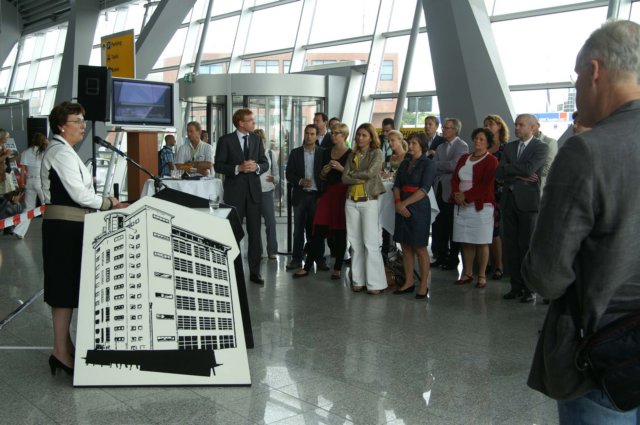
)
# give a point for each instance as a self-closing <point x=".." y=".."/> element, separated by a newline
<point x="594" y="408"/>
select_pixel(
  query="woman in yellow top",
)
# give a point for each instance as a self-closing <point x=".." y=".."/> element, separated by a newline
<point x="362" y="175"/>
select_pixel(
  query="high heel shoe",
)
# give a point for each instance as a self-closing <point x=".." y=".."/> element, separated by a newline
<point x="422" y="296"/>
<point x="464" y="280"/>
<point x="54" y="364"/>
<point x="404" y="291"/>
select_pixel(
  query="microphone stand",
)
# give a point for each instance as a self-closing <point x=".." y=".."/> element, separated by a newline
<point x="157" y="182"/>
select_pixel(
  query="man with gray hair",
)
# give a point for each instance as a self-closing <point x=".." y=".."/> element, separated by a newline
<point x="519" y="171"/>
<point x="444" y="249"/>
<point x="552" y="144"/>
<point x="584" y="251"/>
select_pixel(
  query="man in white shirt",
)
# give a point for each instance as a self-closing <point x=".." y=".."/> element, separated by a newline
<point x="197" y="154"/>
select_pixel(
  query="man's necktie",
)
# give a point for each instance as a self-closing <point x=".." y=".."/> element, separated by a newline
<point x="246" y="147"/>
<point x="520" y="149"/>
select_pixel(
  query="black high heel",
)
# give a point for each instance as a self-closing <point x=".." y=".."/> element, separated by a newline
<point x="54" y="364"/>
<point x="422" y="296"/>
<point x="404" y="291"/>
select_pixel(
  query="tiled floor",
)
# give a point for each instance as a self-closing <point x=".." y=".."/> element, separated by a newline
<point x="323" y="355"/>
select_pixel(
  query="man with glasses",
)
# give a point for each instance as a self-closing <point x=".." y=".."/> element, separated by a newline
<point x="240" y="157"/>
<point x="444" y="249"/>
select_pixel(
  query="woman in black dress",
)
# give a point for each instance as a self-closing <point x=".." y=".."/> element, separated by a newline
<point x="413" y="211"/>
<point x="69" y="195"/>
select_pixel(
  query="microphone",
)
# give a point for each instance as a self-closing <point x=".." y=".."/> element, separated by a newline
<point x="100" y="141"/>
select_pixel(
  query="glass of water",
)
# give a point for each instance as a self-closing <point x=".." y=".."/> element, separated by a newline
<point x="214" y="202"/>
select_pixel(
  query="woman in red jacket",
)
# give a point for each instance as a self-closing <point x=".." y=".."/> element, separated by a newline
<point x="472" y="191"/>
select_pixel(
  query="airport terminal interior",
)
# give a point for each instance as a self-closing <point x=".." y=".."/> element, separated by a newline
<point x="322" y="354"/>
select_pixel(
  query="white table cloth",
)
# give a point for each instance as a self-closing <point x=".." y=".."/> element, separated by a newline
<point x="202" y="188"/>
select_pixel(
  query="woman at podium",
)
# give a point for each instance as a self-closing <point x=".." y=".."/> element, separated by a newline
<point x="69" y="195"/>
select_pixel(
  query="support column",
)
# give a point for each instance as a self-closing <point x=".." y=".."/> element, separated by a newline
<point x="10" y="28"/>
<point x="83" y="20"/>
<point x="470" y="81"/>
<point x="158" y="32"/>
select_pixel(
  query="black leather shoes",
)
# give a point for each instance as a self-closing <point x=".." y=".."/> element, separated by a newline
<point x="256" y="278"/>
<point x="512" y="295"/>
<point x="527" y="297"/>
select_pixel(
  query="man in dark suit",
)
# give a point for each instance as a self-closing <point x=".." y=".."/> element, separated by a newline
<point x="520" y="170"/>
<point x="303" y="173"/>
<point x="431" y="124"/>
<point x="240" y="157"/>
<point x="321" y="120"/>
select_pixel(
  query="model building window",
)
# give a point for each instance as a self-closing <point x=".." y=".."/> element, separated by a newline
<point x="204" y="287"/>
<point x="207" y="323"/>
<point x="205" y="305"/>
<point x="225" y="324"/>
<point x="181" y="246"/>
<point x="189" y="342"/>
<point x="222" y="290"/>
<point x="183" y="265"/>
<point x="184" y="283"/>
<point x="187" y="322"/>
<point x="223" y="306"/>
<point x="209" y="342"/>
<point x="226" y="341"/>
<point x="185" y="303"/>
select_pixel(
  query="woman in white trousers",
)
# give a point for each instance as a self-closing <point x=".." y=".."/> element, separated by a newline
<point x="362" y="175"/>
<point x="30" y="161"/>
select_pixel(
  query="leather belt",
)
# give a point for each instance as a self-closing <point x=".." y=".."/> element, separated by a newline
<point x="363" y="198"/>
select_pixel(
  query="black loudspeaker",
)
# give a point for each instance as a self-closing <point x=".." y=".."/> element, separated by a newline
<point x="37" y="125"/>
<point x="94" y="92"/>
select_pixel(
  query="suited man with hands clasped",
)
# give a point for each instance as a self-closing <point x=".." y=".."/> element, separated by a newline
<point x="241" y="158"/>
<point x="520" y="170"/>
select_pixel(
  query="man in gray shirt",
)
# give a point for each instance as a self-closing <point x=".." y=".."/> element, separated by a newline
<point x="584" y="250"/>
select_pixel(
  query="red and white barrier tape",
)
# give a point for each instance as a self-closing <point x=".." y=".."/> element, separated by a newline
<point x="18" y="218"/>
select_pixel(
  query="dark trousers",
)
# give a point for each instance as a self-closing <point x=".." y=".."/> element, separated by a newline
<point x="518" y="227"/>
<point x="303" y="213"/>
<point x="316" y="250"/>
<point x="251" y="210"/>
<point x="444" y="248"/>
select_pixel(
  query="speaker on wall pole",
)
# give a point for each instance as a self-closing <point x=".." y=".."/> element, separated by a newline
<point x="94" y="92"/>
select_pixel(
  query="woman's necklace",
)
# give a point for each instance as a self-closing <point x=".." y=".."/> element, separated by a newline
<point x="474" y="156"/>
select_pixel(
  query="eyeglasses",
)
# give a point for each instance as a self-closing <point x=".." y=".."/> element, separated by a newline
<point x="336" y="132"/>
<point x="78" y="121"/>
<point x="447" y="128"/>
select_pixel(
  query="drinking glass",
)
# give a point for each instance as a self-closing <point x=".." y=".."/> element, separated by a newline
<point x="214" y="202"/>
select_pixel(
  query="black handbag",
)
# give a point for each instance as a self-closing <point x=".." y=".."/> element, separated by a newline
<point x="612" y="356"/>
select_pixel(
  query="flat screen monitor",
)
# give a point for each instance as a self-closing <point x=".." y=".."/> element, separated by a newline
<point x="141" y="103"/>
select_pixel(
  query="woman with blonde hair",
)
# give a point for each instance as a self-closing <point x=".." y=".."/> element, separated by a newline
<point x="399" y="146"/>
<point x="362" y="175"/>
<point x="498" y="128"/>
<point x="329" y="220"/>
